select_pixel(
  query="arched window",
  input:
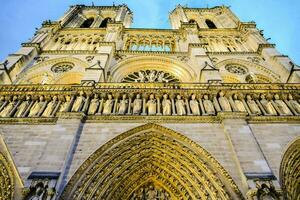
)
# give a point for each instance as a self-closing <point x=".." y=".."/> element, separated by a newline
<point x="192" y="21"/>
<point x="104" y="22"/>
<point x="210" y="24"/>
<point x="87" y="23"/>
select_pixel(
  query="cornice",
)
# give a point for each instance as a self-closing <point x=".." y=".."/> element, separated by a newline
<point x="149" y="53"/>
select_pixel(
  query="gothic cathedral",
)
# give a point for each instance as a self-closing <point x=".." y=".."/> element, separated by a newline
<point x="93" y="109"/>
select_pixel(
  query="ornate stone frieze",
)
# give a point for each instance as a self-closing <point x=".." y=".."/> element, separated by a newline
<point x="134" y="100"/>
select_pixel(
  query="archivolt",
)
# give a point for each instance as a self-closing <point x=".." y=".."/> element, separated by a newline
<point x="180" y="70"/>
<point x="151" y="154"/>
<point x="290" y="170"/>
<point x="6" y="179"/>
<point x="260" y="69"/>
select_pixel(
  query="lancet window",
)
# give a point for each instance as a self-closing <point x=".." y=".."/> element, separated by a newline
<point x="87" y="23"/>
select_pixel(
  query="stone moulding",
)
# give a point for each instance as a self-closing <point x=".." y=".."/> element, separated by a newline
<point x="33" y="104"/>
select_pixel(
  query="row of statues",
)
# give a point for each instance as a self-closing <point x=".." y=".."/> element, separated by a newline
<point x="151" y="105"/>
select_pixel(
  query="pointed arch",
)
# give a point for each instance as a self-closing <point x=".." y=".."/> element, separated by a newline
<point x="210" y="24"/>
<point x="151" y="158"/>
<point x="11" y="184"/>
<point x="290" y="170"/>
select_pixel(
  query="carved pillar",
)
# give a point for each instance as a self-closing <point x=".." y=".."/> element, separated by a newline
<point x="173" y="104"/>
<point x="116" y="98"/>
<point x="144" y="104"/>
<point x="201" y="106"/>
<point x="188" y="110"/>
<point x="129" y="104"/>
<point x="158" y="96"/>
<point x="99" y="112"/>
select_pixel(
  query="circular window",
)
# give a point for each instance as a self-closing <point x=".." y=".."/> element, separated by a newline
<point x="150" y="76"/>
<point x="236" y="69"/>
<point x="62" y="67"/>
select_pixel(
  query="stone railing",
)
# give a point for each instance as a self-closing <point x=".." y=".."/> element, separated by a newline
<point x="150" y="100"/>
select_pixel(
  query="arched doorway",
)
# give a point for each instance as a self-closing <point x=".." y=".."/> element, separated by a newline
<point x="150" y="162"/>
<point x="290" y="171"/>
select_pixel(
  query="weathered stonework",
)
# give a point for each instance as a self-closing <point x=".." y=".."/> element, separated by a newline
<point x="91" y="108"/>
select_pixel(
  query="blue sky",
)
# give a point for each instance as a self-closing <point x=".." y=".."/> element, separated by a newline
<point x="280" y="19"/>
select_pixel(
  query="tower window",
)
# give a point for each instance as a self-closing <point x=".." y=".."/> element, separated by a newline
<point x="87" y="23"/>
<point x="210" y="24"/>
<point x="104" y="22"/>
<point x="192" y="21"/>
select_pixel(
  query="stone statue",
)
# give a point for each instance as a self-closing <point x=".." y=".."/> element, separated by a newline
<point x="151" y="104"/>
<point x="160" y="77"/>
<point x="6" y="111"/>
<point x="36" y="108"/>
<point x="166" y="105"/>
<point x="45" y="79"/>
<point x="239" y="104"/>
<point x="50" y="107"/>
<point x="108" y="105"/>
<point x="208" y="106"/>
<point x="93" y="105"/>
<point x="152" y="76"/>
<point x="294" y="104"/>
<point x="137" y="105"/>
<point x="65" y="105"/>
<point x="224" y="103"/>
<point x="2" y="100"/>
<point x="22" y="108"/>
<point x="267" y="105"/>
<point x="141" y="77"/>
<point x="282" y="107"/>
<point x="180" y="106"/>
<point x="194" y="105"/>
<point x="253" y="106"/>
<point x="151" y="193"/>
<point x="123" y="105"/>
<point x="79" y="102"/>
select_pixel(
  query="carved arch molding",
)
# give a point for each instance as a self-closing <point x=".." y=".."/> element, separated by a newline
<point x="290" y="171"/>
<point x="6" y="179"/>
<point x="151" y="162"/>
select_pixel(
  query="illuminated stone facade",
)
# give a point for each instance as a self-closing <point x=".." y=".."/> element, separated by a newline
<point x="93" y="109"/>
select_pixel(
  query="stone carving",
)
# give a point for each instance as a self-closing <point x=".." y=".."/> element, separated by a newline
<point x="166" y="105"/>
<point x="238" y="104"/>
<point x="194" y="105"/>
<point x="150" y="192"/>
<point x="253" y="106"/>
<point x="151" y="105"/>
<point x="224" y="103"/>
<point x="264" y="190"/>
<point x="94" y="105"/>
<point x="108" y="105"/>
<point x="236" y="69"/>
<point x="6" y="112"/>
<point x="282" y="107"/>
<point x="150" y="76"/>
<point x="65" y="106"/>
<point x="50" y="107"/>
<point x="45" y="79"/>
<point x="62" y="67"/>
<point x="137" y="105"/>
<point x="2" y="101"/>
<point x="23" y="107"/>
<point x="40" y="190"/>
<point x="79" y="102"/>
<point x="208" y="106"/>
<point x="294" y="105"/>
<point x="37" y="107"/>
<point x="180" y="106"/>
<point x="6" y="179"/>
<point x="156" y="153"/>
<point x="267" y="105"/>
<point x="123" y="105"/>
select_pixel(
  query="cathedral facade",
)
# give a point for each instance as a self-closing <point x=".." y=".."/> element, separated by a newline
<point x="93" y="109"/>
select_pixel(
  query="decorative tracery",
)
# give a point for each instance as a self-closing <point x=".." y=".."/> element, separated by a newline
<point x="150" y="76"/>
<point x="62" y="67"/>
<point x="152" y="161"/>
<point x="6" y="181"/>
<point x="236" y="69"/>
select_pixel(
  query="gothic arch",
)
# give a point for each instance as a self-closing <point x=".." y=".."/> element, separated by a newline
<point x="35" y="73"/>
<point x="151" y="157"/>
<point x="182" y="71"/>
<point x="253" y="67"/>
<point x="289" y="170"/>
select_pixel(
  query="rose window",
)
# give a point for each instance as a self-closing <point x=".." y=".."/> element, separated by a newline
<point x="62" y="67"/>
<point x="150" y="76"/>
<point x="236" y="69"/>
